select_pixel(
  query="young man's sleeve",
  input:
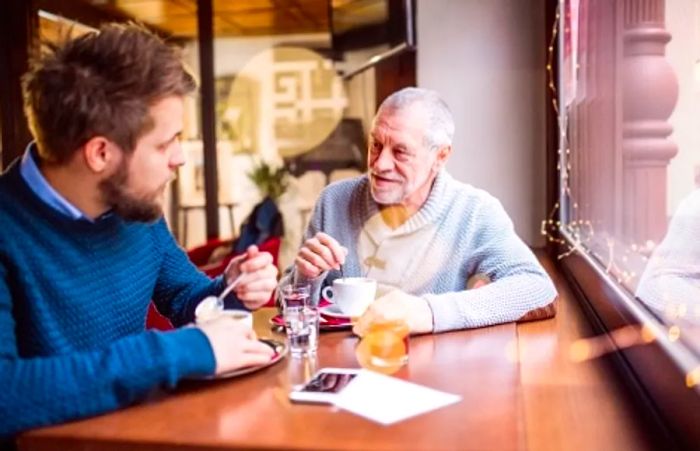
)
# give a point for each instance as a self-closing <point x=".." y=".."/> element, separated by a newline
<point x="180" y="285"/>
<point x="39" y="391"/>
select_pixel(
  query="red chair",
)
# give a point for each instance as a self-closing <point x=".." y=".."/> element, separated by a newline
<point x="154" y="320"/>
<point x="200" y="256"/>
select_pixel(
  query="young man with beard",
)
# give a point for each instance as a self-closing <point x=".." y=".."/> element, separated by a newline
<point x="84" y="248"/>
<point x="421" y="234"/>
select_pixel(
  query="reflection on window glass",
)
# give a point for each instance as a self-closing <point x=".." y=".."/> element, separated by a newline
<point x="670" y="282"/>
<point x="630" y="147"/>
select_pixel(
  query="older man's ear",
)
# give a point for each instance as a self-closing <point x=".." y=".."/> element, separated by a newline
<point x="443" y="154"/>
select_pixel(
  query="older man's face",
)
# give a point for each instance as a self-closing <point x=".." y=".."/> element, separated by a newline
<point x="401" y="167"/>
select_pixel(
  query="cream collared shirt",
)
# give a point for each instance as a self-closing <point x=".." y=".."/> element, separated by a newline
<point x="396" y="258"/>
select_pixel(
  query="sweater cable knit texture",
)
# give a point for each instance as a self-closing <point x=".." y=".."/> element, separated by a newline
<point x="73" y="303"/>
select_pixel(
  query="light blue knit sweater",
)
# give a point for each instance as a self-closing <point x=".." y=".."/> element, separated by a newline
<point x="475" y="236"/>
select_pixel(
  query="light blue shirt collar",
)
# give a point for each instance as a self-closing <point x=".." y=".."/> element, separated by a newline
<point x="35" y="179"/>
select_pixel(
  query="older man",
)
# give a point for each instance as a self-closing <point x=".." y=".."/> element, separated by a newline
<point x="421" y="234"/>
<point x="84" y="248"/>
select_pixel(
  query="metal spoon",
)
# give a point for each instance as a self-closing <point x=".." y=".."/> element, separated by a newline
<point x="227" y="290"/>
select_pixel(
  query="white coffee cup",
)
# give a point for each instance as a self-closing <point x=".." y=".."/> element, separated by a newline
<point x="352" y="295"/>
<point x="208" y="310"/>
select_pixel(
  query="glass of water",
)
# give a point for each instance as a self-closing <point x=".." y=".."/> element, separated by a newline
<point x="301" y="319"/>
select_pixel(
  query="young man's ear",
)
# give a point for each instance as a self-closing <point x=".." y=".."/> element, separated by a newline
<point x="99" y="154"/>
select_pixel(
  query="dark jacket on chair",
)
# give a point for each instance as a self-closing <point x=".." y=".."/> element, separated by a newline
<point x="263" y="223"/>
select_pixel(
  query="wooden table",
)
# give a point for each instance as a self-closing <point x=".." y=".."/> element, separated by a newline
<point x="518" y="388"/>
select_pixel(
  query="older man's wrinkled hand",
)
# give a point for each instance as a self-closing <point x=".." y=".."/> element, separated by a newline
<point x="318" y="254"/>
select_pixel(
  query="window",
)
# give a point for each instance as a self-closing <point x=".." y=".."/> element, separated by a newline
<point x="628" y="97"/>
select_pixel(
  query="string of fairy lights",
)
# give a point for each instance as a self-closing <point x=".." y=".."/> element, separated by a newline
<point x="579" y="230"/>
<point x="580" y="237"/>
<point x="582" y="231"/>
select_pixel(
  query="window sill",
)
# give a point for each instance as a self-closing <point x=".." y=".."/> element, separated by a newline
<point x="656" y="371"/>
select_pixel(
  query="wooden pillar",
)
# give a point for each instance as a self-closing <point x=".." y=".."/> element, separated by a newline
<point x="19" y="32"/>
<point x="205" y="24"/>
<point x="393" y="74"/>
<point x="650" y="92"/>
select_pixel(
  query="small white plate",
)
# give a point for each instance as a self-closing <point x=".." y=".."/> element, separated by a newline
<point x="333" y="311"/>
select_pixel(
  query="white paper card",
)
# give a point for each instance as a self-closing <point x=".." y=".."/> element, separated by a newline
<point x="386" y="399"/>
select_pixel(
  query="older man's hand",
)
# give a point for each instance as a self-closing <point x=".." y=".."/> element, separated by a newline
<point x="318" y="254"/>
<point x="397" y="305"/>
<point x="259" y="277"/>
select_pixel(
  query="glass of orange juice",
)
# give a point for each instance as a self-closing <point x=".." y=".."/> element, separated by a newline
<point x="384" y="347"/>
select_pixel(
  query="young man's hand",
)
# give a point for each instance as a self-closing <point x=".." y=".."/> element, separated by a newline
<point x="234" y="344"/>
<point x="259" y="277"/>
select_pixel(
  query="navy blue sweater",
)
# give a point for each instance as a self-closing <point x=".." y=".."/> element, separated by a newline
<point x="73" y="303"/>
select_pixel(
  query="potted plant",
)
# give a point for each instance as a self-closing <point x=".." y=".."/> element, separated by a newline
<point x="272" y="182"/>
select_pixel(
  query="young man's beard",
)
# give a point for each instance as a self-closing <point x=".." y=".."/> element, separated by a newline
<point x="129" y="207"/>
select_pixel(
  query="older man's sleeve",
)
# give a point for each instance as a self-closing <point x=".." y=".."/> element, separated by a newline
<point x="520" y="289"/>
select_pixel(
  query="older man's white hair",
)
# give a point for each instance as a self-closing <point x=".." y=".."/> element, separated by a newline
<point x="441" y="125"/>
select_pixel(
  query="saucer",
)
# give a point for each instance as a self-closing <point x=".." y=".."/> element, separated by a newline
<point x="280" y="351"/>
<point x="326" y="324"/>
<point x="333" y="311"/>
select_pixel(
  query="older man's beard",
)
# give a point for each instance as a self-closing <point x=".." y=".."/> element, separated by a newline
<point x="391" y="197"/>
<point x="132" y="208"/>
<point x="403" y="189"/>
<point x="388" y="198"/>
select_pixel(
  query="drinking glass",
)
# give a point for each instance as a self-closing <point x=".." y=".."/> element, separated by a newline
<point x="384" y="347"/>
<point x="301" y="319"/>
